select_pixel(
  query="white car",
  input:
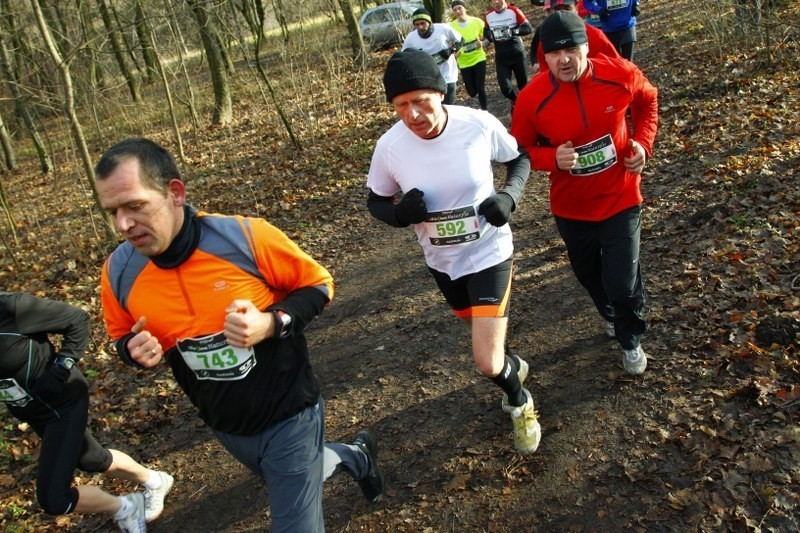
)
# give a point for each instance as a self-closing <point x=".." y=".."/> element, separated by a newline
<point x="387" y="24"/>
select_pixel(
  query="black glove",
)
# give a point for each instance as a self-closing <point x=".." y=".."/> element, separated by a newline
<point x="51" y="382"/>
<point x="497" y="209"/>
<point x="411" y="209"/>
<point x="635" y="10"/>
<point x="604" y="13"/>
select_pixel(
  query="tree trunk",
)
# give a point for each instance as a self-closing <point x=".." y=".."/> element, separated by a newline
<point x="168" y="94"/>
<point x="21" y="107"/>
<point x="69" y="106"/>
<point x="11" y="224"/>
<point x="356" y="39"/>
<point x="146" y="43"/>
<point x="55" y="20"/>
<point x="9" y="157"/>
<point x="255" y="20"/>
<point x="96" y="77"/>
<point x="436" y="8"/>
<point x="277" y="8"/>
<point x="182" y="52"/>
<point x="223" y="107"/>
<point x="119" y="49"/>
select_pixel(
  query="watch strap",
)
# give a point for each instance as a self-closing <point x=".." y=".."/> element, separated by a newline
<point x="64" y="362"/>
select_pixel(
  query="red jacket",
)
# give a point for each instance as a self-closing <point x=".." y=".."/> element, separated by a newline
<point x="549" y="113"/>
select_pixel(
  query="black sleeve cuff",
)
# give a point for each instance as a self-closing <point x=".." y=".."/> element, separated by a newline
<point x="122" y="350"/>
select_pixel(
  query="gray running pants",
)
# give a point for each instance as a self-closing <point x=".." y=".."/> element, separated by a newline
<point x="293" y="461"/>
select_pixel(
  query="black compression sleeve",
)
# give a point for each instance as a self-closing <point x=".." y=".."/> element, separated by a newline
<point x="517" y="172"/>
<point x="382" y="208"/>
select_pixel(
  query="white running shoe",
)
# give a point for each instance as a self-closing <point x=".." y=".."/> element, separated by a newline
<point x="134" y="521"/>
<point x="634" y="361"/>
<point x="154" y="498"/>
<point x="527" y="431"/>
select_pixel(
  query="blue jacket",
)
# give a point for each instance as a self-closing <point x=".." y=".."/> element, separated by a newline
<point x="619" y="13"/>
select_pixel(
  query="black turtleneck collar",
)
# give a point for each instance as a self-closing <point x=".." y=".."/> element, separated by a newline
<point x="184" y="243"/>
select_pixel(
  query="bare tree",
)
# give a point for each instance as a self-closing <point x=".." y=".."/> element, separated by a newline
<point x="223" y="106"/>
<point x="145" y="42"/>
<point x="10" y="219"/>
<point x="254" y="14"/>
<point x="168" y="94"/>
<point x="436" y="8"/>
<point x="96" y="78"/>
<point x="9" y="73"/>
<point x="277" y="8"/>
<point x="180" y="45"/>
<point x="9" y="157"/>
<point x="119" y="49"/>
<point x="356" y="39"/>
<point x="69" y="107"/>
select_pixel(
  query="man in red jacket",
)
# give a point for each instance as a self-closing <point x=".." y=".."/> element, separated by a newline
<point x="597" y="40"/>
<point x="573" y="125"/>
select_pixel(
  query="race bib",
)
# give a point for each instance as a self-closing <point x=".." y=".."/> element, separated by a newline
<point x="211" y="357"/>
<point x="595" y="157"/>
<point x="502" y="33"/>
<point x="611" y="5"/>
<point x="471" y="46"/>
<point x="12" y="394"/>
<point x="454" y="226"/>
<point x="440" y="57"/>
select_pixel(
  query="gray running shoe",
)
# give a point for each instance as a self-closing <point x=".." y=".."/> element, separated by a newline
<point x="134" y="522"/>
<point x="154" y="498"/>
<point x="634" y="361"/>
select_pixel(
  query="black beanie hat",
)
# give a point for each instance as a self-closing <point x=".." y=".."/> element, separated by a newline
<point x="562" y="29"/>
<point x="421" y="14"/>
<point x="410" y="70"/>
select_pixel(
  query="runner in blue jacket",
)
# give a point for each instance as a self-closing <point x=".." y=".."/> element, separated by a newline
<point x="618" y="22"/>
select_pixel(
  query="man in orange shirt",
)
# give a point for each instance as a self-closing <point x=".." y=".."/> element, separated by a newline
<point x="224" y="300"/>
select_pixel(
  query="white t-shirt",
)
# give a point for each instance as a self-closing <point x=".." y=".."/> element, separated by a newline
<point x="440" y="39"/>
<point x="454" y="170"/>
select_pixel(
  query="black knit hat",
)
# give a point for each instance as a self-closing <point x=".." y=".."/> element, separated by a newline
<point x="562" y="29"/>
<point x="421" y="14"/>
<point x="410" y="70"/>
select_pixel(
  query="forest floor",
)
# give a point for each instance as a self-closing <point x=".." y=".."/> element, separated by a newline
<point x="708" y="439"/>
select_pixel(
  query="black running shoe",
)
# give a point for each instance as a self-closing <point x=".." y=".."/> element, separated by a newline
<point x="372" y="484"/>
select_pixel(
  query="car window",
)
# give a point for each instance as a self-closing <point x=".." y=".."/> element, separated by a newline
<point x="396" y="14"/>
<point x="376" y="17"/>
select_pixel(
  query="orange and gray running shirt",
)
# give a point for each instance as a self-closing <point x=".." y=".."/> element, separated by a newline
<point x="237" y="391"/>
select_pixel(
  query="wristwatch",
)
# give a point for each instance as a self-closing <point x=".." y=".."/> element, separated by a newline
<point x="283" y="324"/>
<point x="64" y="362"/>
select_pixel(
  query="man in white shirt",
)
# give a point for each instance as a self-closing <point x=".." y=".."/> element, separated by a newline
<point x="441" y="42"/>
<point x="440" y="157"/>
